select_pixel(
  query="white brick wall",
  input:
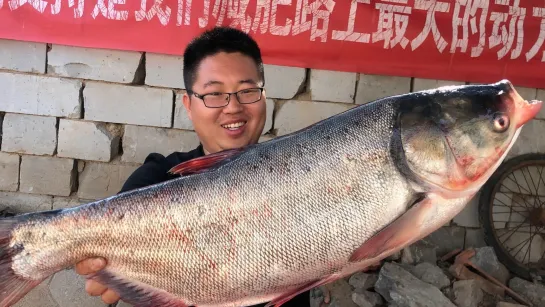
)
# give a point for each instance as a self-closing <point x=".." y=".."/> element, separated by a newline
<point x="165" y="70"/>
<point x="294" y="115"/>
<point x="531" y="139"/>
<point x="96" y="64"/>
<point x="22" y="56"/>
<point x="39" y="95"/>
<point x="332" y="86"/>
<point x="139" y="141"/>
<point x="47" y="175"/>
<point x="99" y="180"/>
<point x="60" y="202"/>
<point x="269" y="120"/>
<point x="126" y="104"/>
<point x="469" y="217"/>
<point x="75" y="132"/>
<point x="283" y="82"/>
<point x="372" y="87"/>
<point x="181" y="120"/>
<point x="88" y="140"/>
<point x="24" y="202"/>
<point x="29" y="134"/>
<point x="9" y="171"/>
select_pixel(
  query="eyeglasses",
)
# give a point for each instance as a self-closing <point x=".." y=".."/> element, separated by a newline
<point x="219" y="100"/>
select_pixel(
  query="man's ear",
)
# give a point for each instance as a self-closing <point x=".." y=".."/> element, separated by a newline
<point x="187" y="104"/>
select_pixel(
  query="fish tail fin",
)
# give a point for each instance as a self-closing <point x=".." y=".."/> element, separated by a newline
<point x="12" y="286"/>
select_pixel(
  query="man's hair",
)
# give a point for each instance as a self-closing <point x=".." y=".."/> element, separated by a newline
<point x="216" y="40"/>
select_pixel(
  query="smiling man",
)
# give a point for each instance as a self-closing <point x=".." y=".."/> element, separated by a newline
<point x="225" y="100"/>
<point x="220" y="67"/>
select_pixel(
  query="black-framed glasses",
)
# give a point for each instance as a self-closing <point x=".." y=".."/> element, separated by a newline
<point x="219" y="100"/>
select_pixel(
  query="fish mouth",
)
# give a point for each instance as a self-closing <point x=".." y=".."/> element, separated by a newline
<point x="521" y="110"/>
<point x="528" y="111"/>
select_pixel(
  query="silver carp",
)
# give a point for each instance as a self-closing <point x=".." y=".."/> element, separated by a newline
<point x="269" y="221"/>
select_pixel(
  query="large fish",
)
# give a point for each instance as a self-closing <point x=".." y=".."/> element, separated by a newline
<point x="266" y="222"/>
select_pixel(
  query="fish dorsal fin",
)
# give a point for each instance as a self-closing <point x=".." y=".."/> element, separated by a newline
<point x="202" y="164"/>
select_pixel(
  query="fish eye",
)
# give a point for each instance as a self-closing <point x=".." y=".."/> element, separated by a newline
<point x="501" y="122"/>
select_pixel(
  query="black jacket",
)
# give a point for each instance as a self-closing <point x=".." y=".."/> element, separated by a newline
<point x="155" y="170"/>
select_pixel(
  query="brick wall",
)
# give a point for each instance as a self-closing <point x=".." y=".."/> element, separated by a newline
<point x="76" y="122"/>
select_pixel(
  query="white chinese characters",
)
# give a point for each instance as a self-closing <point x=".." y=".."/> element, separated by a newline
<point x="392" y="12"/>
<point x="508" y="29"/>
<point x="431" y="7"/>
<point x="505" y="29"/>
<point x="538" y="12"/>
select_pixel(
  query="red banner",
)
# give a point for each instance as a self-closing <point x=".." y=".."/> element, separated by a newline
<point x="466" y="40"/>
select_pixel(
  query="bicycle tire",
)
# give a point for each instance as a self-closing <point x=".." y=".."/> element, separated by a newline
<point x="488" y="191"/>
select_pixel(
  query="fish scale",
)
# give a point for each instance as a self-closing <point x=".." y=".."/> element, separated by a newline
<point x="266" y="222"/>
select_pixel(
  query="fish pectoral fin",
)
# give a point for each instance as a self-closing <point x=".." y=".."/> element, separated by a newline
<point x="405" y="230"/>
<point x="279" y="301"/>
<point x="137" y="294"/>
<point x="202" y="164"/>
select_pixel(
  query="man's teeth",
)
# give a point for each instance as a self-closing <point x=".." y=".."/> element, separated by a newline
<point x="234" y="125"/>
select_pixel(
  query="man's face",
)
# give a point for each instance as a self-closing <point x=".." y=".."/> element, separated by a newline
<point x="226" y="73"/>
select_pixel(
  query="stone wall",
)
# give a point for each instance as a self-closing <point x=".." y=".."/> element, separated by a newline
<point x="76" y="122"/>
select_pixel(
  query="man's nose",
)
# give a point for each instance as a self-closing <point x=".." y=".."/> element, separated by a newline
<point x="234" y="105"/>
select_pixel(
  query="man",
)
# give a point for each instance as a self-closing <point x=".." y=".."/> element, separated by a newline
<point x="224" y="79"/>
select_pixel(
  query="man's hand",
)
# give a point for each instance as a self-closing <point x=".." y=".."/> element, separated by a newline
<point x="92" y="265"/>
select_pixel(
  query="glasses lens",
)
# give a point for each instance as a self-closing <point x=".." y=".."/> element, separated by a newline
<point x="215" y="100"/>
<point x="249" y="95"/>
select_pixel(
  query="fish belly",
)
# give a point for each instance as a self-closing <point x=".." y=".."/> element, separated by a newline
<point x="247" y="249"/>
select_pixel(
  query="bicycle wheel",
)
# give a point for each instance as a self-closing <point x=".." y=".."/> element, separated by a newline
<point x="512" y="214"/>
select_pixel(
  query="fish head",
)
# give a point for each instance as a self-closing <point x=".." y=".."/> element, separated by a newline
<point x="455" y="137"/>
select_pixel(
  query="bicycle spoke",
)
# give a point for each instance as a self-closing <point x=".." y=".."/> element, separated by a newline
<point x="523" y="231"/>
<point x="513" y="200"/>
<point x="543" y="254"/>
<point x="523" y="244"/>
<point x="506" y="205"/>
<point x="511" y="233"/>
<point x="511" y="222"/>
<point x="517" y="183"/>
<point x="515" y="193"/>
<point x="511" y="210"/>
<point x="529" y="250"/>
<point x="526" y="180"/>
<point x="539" y="185"/>
<point x="533" y="184"/>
